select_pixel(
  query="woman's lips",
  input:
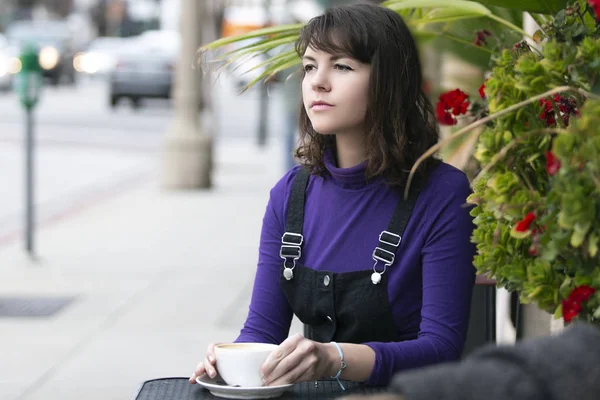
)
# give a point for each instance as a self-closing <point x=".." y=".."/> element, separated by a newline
<point x="321" y="107"/>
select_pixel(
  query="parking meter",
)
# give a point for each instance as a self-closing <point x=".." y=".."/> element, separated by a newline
<point x="29" y="80"/>
<point x="28" y="86"/>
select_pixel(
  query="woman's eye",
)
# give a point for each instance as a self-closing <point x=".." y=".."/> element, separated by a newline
<point x="308" y="67"/>
<point x="342" y="67"/>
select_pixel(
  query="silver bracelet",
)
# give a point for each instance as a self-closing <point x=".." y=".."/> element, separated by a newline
<point x="343" y="365"/>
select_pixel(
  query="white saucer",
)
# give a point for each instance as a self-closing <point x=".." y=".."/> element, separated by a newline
<point x="235" y="392"/>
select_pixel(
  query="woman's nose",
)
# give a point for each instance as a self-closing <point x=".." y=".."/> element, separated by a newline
<point x="320" y="81"/>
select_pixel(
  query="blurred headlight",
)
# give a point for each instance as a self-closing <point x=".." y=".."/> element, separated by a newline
<point x="78" y="62"/>
<point x="49" y="57"/>
<point x="14" y="65"/>
<point x="91" y="63"/>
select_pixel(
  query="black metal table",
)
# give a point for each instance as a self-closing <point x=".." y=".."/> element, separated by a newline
<point x="181" y="389"/>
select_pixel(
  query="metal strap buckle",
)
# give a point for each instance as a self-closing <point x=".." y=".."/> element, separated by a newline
<point x="294" y="239"/>
<point x="390" y="238"/>
<point x="383" y="252"/>
<point x="293" y="255"/>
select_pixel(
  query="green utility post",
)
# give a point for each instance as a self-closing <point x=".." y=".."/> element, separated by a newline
<point x="29" y="83"/>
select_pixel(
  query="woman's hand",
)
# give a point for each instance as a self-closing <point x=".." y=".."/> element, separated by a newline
<point x="207" y="366"/>
<point x="299" y="359"/>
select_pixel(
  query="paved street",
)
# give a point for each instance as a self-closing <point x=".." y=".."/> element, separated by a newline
<point x="151" y="274"/>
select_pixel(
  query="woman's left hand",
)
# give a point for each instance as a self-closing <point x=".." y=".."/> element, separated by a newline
<point x="297" y="359"/>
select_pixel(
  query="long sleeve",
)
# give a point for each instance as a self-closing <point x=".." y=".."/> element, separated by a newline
<point x="269" y="317"/>
<point x="448" y="277"/>
<point x="561" y="367"/>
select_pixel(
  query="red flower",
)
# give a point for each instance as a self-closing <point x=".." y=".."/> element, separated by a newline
<point x="525" y="223"/>
<point x="482" y="90"/>
<point x="450" y="105"/>
<point x="595" y="4"/>
<point x="480" y="37"/>
<point x="571" y="307"/>
<point x="552" y="163"/>
<point x="581" y="293"/>
<point x="566" y="106"/>
<point x="548" y="113"/>
<point x="570" y="310"/>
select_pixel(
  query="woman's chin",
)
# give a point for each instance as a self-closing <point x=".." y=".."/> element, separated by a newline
<point x="324" y="129"/>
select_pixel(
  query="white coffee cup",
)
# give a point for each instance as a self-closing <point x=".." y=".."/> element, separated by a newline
<point x="239" y="363"/>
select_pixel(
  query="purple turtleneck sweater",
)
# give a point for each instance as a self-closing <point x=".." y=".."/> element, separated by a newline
<point x="429" y="284"/>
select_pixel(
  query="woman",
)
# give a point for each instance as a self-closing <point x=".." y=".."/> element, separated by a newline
<point x="340" y="247"/>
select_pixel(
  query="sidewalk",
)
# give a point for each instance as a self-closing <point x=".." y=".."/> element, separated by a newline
<point x="154" y="276"/>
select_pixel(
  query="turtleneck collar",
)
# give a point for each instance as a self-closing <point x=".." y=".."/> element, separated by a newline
<point x="352" y="178"/>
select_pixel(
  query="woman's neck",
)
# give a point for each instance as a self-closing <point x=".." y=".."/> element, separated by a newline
<point x="350" y="150"/>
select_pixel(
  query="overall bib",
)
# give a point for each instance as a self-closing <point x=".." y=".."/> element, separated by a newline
<point x="351" y="307"/>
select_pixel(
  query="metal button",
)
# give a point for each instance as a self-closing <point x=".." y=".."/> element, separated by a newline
<point x="329" y="318"/>
<point x="326" y="280"/>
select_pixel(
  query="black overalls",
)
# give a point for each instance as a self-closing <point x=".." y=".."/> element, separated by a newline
<point x="349" y="307"/>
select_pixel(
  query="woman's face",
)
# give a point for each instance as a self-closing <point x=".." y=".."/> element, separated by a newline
<point x="335" y="92"/>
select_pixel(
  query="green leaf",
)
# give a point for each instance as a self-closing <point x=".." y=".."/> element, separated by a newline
<point x="274" y="30"/>
<point x="259" y="47"/>
<point x="578" y="235"/>
<point x="275" y="60"/>
<point x="536" y="6"/>
<point x="273" y="69"/>
<point x="468" y="9"/>
<point x="566" y="287"/>
<point x="593" y="245"/>
<point x="446" y="15"/>
<point x="558" y="312"/>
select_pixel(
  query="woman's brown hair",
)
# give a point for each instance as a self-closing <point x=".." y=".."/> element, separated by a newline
<point x="400" y="120"/>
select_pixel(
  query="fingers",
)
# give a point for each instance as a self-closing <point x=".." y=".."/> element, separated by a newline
<point x="284" y="349"/>
<point x="199" y="371"/>
<point x="207" y="366"/>
<point x="302" y="371"/>
<point x="294" y="365"/>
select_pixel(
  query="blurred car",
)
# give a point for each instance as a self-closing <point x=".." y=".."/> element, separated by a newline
<point x="5" y="65"/>
<point x="53" y="40"/>
<point x="100" y="56"/>
<point x="145" y="68"/>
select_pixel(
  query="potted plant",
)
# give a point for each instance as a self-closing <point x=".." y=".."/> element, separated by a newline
<point x="537" y="195"/>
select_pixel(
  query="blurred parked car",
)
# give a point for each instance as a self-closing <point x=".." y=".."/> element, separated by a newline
<point x="5" y="64"/>
<point x="145" y="67"/>
<point x="53" y="40"/>
<point x="100" y="56"/>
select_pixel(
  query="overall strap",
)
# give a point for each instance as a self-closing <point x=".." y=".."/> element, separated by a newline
<point x="389" y="240"/>
<point x="292" y="239"/>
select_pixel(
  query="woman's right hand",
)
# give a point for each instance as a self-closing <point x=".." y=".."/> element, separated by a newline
<point x="207" y="366"/>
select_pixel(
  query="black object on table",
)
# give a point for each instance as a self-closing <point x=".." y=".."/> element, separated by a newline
<point x="182" y="389"/>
